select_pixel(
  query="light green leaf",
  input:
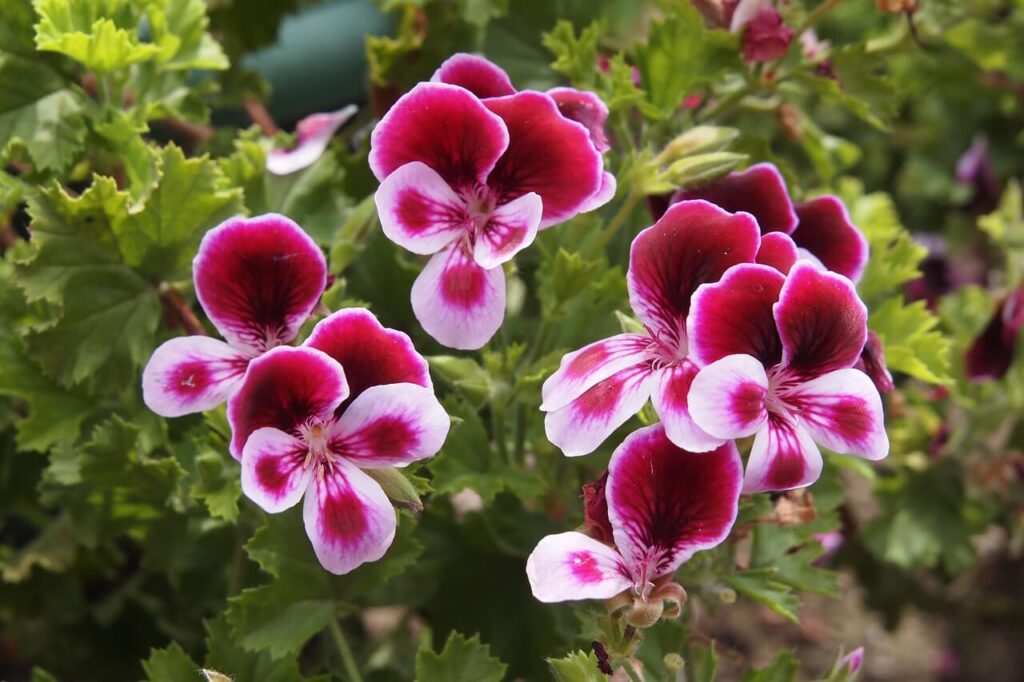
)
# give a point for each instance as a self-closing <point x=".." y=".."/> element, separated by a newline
<point x="578" y="666"/>
<point x="762" y="586"/>
<point x="170" y="664"/>
<point x="229" y="658"/>
<point x="461" y="659"/>
<point x="911" y="341"/>
<point x="179" y="28"/>
<point x="783" y="669"/>
<point x="84" y="31"/>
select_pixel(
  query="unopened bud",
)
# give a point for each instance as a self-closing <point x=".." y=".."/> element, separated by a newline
<point x="699" y="140"/>
<point x="674" y="663"/>
<point x="644" y="614"/>
<point x="727" y="595"/>
<point x="701" y="169"/>
<point x="789" y="120"/>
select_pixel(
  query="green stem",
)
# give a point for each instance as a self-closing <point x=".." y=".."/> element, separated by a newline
<point x="725" y="103"/>
<point x="817" y="14"/>
<point x="347" y="658"/>
<point x="618" y="220"/>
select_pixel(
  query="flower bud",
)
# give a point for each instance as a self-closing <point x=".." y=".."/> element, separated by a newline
<point x="698" y="140"/>
<point x="643" y="613"/>
<point x="766" y="38"/>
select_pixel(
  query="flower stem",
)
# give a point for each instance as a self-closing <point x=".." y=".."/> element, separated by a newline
<point x="618" y="220"/>
<point x="817" y="14"/>
<point x="345" y="651"/>
<point x="181" y="312"/>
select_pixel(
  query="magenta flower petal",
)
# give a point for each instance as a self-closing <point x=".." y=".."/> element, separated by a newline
<point x="660" y="504"/>
<point x="606" y="193"/>
<point x="766" y="37"/>
<point x="547" y="154"/>
<point x="274" y="471"/>
<point x="391" y="425"/>
<point x="370" y="353"/>
<point x="670" y="395"/>
<point x="585" y="108"/>
<point x="419" y="211"/>
<point x="285" y="388"/>
<point x="821" y="321"/>
<point x="458" y="302"/>
<point x="760" y="190"/>
<point x="191" y="374"/>
<point x="842" y="410"/>
<point x="779" y="251"/>
<point x="572" y="566"/>
<point x="510" y="228"/>
<point x="443" y="126"/>
<point x="872" y="362"/>
<point x="693" y="243"/>
<point x="727" y="398"/>
<point x="312" y="135"/>
<point x="992" y="352"/>
<point x="825" y="229"/>
<point x="734" y="316"/>
<point x="480" y="76"/>
<point x="348" y="518"/>
<point x="582" y="425"/>
<point x="783" y="457"/>
<point x="590" y="365"/>
<point x="258" y="279"/>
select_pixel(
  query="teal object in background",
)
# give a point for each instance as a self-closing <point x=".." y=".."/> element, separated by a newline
<point x="319" y="60"/>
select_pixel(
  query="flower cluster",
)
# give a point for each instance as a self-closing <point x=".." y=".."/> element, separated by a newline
<point x="470" y="170"/>
<point x="305" y="421"/>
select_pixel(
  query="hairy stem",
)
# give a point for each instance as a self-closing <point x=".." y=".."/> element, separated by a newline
<point x="345" y="651"/>
<point x="181" y="312"/>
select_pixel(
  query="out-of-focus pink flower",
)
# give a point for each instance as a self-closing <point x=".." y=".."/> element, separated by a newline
<point x="974" y="168"/>
<point x="813" y="48"/>
<point x="852" y="661"/>
<point x="993" y="351"/>
<point x="765" y="36"/>
<point x="692" y="101"/>
<point x="312" y="135"/>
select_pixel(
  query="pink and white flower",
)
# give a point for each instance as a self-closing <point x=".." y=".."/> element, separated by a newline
<point x="649" y="540"/>
<point x="307" y="420"/>
<point x="312" y="135"/>
<point x="597" y="388"/>
<point x="777" y="355"/>
<point x="819" y="230"/>
<point x="258" y="279"/>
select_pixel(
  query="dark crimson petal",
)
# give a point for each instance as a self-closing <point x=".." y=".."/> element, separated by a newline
<point x="285" y="389"/>
<point x="821" y="321"/>
<point x="443" y="126"/>
<point x="370" y="353"/>
<point x="778" y="250"/>
<point x="872" y="362"/>
<point x="992" y="352"/>
<point x="595" y="510"/>
<point x="760" y="190"/>
<point x="585" y="108"/>
<point x="825" y="229"/>
<point x="734" y="316"/>
<point x="782" y="457"/>
<point x="480" y="76"/>
<point x="665" y="503"/>
<point x="547" y="154"/>
<point x="258" y="279"/>
<point x="692" y="244"/>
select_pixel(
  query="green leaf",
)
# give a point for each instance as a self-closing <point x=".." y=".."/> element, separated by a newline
<point x="228" y="657"/>
<point x="783" y="669"/>
<point x="466" y="375"/>
<point x="179" y="28"/>
<point x="911" y="341"/>
<point x="277" y="623"/>
<point x="52" y="550"/>
<point x="578" y="666"/>
<point x="575" y="56"/>
<point x="83" y="31"/>
<point x="482" y="12"/>
<point x="160" y="236"/>
<point x="171" y="664"/>
<point x="397" y="487"/>
<point x="762" y="586"/>
<point x="461" y="659"/>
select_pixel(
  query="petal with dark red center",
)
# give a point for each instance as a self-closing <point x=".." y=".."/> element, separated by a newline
<point x="585" y="108"/>
<point x="605" y="194"/>
<point x="370" y="353"/>
<point x="510" y="228"/>
<point x="480" y="76"/>
<point x="825" y="229"/>
<point x="274" y="475"/>
<point x="419" y="211"/>
<point x="258" y="279"/>
<point x="285" y="388"/>
<point x="692" y="244"/>
<point x="821" y="321"/>
<point x="547" y="154"/>
<point x="734" y="316"/>
<point x="445" y="127"/>
<point x="191" y="374"/>
<point x="572" y="566"/>
<point x="728" y="396"/>
<point x="783" y="457"/>
<point x="348" y="518"/>
<point x="778" y="250"/>
<point x="391" y="425"/>
<point x="670" y="395"/>
<point x="589" y="365"/>
<point x="665" y="503"/>
<point x="582" y="425"/>
<point x="458" y="302"/>
<point x="842" y="410"/>
<point x="312" y="135"/>
<point x="760" y="190"/>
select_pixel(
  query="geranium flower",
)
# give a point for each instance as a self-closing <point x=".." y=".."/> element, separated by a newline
<point x="777" y="355"/>
<point x="471" y="181"/>
<point x="820" y="229"/>
<point x="661" y="510"/>
<point x="258" y="279"/>
<point x="991" y="354"/>
<point x="765" y="36"/>
<point x="307" y="421"/>
<point x="312" y="135"/>
<point x="597" y="388"/>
